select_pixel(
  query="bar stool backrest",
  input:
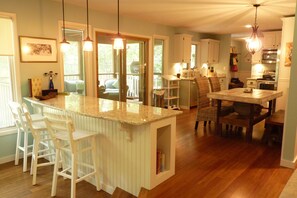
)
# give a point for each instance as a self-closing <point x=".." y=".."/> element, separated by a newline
<point x="60" y="128"/>
<point x="17" y="112"/>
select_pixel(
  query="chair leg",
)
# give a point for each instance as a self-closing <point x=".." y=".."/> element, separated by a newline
<point x="55" y="175"/>
<point x="17" y="150"/>
<point x="196" y="125"/>
<point x="35" y="160"/>
<point x="95" y="164"/>
<point x="25" y="157"/>
<point x="32" y="159"/>
<point x="73" y="176"/>
<point x="205" y="122"/>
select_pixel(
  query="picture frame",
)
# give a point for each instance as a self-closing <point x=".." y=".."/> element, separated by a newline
<point x="37" y="49"/>
<point x="288" y="55"/>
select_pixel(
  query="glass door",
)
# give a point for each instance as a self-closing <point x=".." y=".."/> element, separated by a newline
<point x="122" y="75"/>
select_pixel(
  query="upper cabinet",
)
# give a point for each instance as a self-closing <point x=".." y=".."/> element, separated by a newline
<point x="210" y="50"/>
<point x="272" y="40"/>
<point x="182" y="48"/>
<point x="257" y="57"/>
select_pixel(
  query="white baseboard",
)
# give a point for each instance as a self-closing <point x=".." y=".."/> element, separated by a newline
<point x="6" y="159"/>
<point x="107" y="188"/>
<point x="288" y="164"/>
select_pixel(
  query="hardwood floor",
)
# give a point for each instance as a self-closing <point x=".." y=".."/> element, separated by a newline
<point x="207" y="165"/>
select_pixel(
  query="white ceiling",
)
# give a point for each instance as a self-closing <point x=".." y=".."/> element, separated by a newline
<point x="204" y="16"/>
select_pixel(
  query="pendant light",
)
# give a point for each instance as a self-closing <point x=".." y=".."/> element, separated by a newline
<point x="118" y="41"/>
<point x="64" y="45"/>
<point x="254" y="44"/>
<point x="88" y="43"/>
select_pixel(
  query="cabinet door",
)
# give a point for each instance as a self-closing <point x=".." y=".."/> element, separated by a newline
<point x="215" y="51"/>
<point x="269" y="40"/>
<point x="182" y="48"/>
<point x="210" y="51"/>
<point x="193" y="91"/>
<point x="278" y="39"/>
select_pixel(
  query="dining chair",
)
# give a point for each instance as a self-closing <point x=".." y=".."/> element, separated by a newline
<point x="42" y="145"/>
<point x="216" y="86"/>
<point x="71" y="143"/>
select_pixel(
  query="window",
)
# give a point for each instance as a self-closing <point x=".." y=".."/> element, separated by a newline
<point x="6" y="72"/>
<point x="74" y="76"/>
<point x="158" y="62"/>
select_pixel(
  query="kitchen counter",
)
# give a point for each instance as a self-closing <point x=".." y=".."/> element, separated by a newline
<point x="129" y="136"/>
<point x="129" y="113"/>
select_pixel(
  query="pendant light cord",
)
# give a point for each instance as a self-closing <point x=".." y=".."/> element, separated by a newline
<point x="118" y="17"/>
<point x="64" y="35"/>
<point x="256" y="6"/>
<point x="87" y="18"/>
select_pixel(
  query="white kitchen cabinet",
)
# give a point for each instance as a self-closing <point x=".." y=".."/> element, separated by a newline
<point x="210" y="50"/>
<point x="272" y="40"/>
<point x="188" y="93"/>
<point x="182" y="48"/>
<point x="171" y="95"/>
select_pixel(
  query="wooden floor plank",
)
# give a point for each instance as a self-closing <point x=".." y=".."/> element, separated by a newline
<point x="207" y="165"/>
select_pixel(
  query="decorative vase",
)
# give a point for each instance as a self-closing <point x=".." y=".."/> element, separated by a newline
<point x="51" y="84"/>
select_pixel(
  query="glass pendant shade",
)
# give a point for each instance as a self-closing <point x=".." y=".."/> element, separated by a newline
<point x="118" y="43"/>
<point x="254" y="43"/>
<point x="64" y="46"/>
<point x="88" y="45"/>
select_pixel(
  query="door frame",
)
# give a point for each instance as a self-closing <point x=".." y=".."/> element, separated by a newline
<point x="148" y="56"/>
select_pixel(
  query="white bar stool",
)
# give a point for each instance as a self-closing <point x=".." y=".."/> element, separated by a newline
<point x="68" y="140"/>
<point x="17" y="113"/>
<point x="41" y="145"/>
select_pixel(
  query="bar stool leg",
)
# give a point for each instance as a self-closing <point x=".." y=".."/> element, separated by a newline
<point x="74" y="175"/>
<point x="25" y="157"/>
<point x="95" y="164"/>
<point x="35" y="159"/>
<point x="17" y="151"/>
<point x="55" y="176"/>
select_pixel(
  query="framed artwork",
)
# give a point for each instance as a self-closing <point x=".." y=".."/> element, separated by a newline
<point x="35" y="49"/>
<point x="288" y="55"/>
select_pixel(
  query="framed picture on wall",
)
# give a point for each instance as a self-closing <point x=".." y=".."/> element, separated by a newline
<point x="35" y="49"/>
<point x="288" y="56"/>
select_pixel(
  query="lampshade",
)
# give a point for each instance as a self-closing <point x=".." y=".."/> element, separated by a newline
<point x="118" y="41"/>
<point x="254" y="44"/>
<point x="64" y="45"/>
<point x="88" y="43"/>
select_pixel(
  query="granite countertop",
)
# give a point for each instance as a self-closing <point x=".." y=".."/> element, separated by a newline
<point x="129" y="113"/>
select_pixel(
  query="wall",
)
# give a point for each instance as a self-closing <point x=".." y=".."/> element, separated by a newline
<point x="288" y="84"/>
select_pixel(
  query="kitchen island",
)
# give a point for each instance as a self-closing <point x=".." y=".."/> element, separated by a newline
<point x="129" y="136"/>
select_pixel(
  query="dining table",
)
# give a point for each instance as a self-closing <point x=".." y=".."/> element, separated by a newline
<point x="251" y="98"/>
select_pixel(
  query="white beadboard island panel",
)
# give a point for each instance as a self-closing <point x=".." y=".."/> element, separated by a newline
<point x="128" y="138"/>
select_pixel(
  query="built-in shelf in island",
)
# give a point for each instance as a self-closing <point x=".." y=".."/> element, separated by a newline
<point x="129" y="136"/>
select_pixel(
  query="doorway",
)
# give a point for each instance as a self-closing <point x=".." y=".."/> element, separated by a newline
<point x="122" y="74"/>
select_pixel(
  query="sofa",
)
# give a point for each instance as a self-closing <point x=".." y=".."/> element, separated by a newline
<point x="76" y="86"/>
<point x="110" y="90"/>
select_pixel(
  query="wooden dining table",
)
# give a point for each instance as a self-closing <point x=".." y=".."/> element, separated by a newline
<point x="256" y="97"/>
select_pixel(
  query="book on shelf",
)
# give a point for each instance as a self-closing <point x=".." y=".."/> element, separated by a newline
<point x="160" y="166"/>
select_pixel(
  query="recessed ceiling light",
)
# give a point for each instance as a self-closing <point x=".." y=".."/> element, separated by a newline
<point x="248" y="26"/>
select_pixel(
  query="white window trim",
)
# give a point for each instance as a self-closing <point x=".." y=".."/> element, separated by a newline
<point x="88" y="56"/>
<point x="15" y="70"/>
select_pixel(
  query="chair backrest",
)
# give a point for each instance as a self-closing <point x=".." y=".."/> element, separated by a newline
<point x="17" y="112"/>
<point x="214" y="84"/>
<point x="29" y="123"/>
<point x="60" y="128"/>
<point x="202" y="91"/>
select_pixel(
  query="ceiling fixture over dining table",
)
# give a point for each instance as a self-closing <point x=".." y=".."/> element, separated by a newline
<point x="254" y="43"/>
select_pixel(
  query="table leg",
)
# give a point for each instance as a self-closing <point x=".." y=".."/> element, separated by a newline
<point x="249" y="129"/>
<point x="218" y="124"/>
